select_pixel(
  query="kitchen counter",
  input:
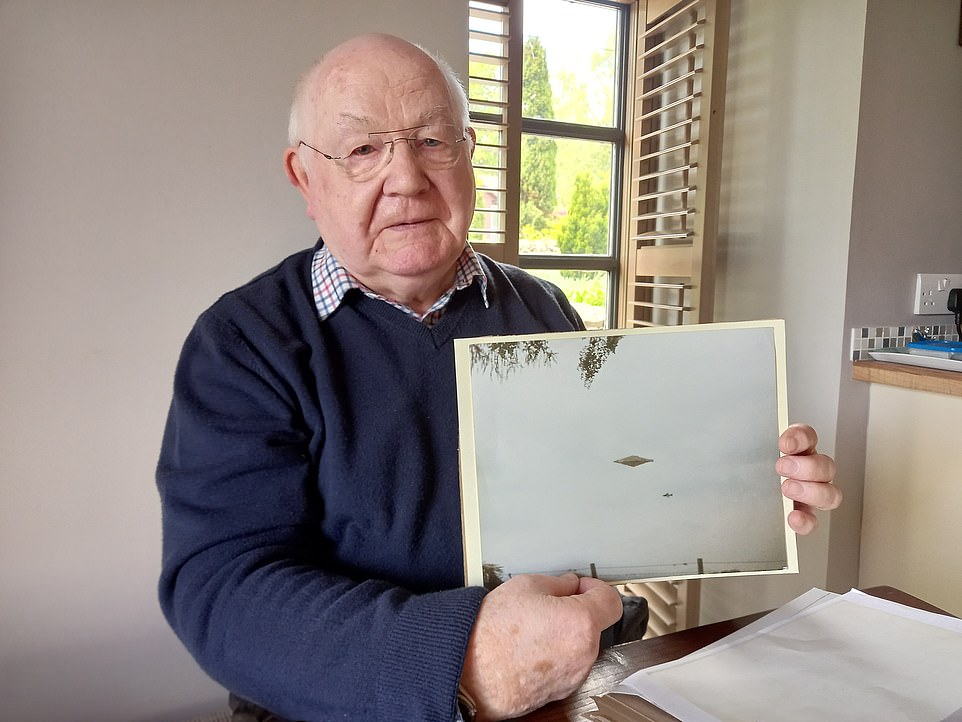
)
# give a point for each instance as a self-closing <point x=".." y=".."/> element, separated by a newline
<point x="909" y="377"/>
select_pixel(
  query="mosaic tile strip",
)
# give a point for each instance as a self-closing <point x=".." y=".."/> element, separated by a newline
<point x="873" y="338"/>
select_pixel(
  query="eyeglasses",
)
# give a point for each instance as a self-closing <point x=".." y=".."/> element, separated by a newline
<point x="435" y="147"/>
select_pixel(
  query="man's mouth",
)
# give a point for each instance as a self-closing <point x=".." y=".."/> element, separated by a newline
<point x="404" y="225"/>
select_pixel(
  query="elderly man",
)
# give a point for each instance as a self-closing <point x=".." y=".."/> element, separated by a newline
<point x="309" y="472"/>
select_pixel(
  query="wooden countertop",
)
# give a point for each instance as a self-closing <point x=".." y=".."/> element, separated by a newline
<point x="909" y="377"/>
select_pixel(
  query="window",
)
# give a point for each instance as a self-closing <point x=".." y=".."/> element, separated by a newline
<point x="572" y="145"/>
<point x="593" y="165"/>
<point x="569" y="127"/>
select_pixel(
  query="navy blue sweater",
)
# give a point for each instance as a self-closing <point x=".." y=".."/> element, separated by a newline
<point x="312" y="557"/>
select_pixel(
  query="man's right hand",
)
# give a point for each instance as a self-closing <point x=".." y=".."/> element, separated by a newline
<point x="534" y="641"/>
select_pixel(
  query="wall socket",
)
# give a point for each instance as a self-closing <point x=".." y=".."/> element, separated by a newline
<point x="932" y="292"/>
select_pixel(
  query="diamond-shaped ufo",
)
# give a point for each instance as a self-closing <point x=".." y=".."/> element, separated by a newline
<point x="633" y="460"/>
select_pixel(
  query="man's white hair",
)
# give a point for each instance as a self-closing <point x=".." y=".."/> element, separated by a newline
<point x="301" y="105"/>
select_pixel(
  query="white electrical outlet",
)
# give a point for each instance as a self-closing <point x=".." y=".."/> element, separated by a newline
<point x="932" y="292"/>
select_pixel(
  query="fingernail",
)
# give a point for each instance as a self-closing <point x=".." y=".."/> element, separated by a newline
<point x="786" y="467"/>
<point x="791" y="489"/>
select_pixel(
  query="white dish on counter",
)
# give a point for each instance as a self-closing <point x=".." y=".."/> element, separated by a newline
<point x="901" y="356"/>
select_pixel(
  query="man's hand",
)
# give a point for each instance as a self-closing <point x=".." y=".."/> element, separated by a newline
<point x="534" y="641"/>
<point x="809" y="477"/>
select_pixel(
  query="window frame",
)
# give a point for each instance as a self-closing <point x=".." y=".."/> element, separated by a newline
<point x="615" y="134"/>
<point x="515" y="126"/>
<point x="503" y="115"/>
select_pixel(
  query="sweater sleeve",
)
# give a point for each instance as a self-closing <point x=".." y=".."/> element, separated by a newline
<point x="247" y="580"/>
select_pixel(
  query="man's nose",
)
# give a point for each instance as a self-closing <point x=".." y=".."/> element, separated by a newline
<point x="404" y="173"/>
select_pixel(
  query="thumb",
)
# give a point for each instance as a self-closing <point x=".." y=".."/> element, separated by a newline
<point x="602" y="600"/>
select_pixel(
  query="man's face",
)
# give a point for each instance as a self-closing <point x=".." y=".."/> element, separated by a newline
<point x="401" y="230"/>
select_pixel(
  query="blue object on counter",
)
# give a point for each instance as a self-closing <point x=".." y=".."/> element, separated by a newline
<point x="944" y="346"/>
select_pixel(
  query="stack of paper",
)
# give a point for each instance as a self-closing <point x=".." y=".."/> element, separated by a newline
<point x="821" y="657"/>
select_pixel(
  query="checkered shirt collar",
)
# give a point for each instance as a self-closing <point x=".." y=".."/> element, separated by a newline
<point x="331" y="282"/>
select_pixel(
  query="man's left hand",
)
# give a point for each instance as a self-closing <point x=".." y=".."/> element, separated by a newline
<point x="808" y="475"/>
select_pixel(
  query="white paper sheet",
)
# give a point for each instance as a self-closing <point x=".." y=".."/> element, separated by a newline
<point x="822" y="657"/>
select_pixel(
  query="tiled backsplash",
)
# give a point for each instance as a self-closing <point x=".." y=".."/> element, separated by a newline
<point x="873" y="338"/>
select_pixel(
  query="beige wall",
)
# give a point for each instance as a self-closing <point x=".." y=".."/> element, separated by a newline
<point x="140" y="177"/>
<point x="842" y="179"/>
<point x="906" y="211"/>
<point x="789" y="160"/>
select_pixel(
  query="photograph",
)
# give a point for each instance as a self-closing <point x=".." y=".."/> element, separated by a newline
<point x="627" y="455"/>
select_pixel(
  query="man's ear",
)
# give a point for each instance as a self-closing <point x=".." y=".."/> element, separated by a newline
<point x="474" y="139"/>
<point x="295" y="170"/>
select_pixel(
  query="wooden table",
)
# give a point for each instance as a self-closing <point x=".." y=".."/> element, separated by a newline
<point x="618" y="662"/>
